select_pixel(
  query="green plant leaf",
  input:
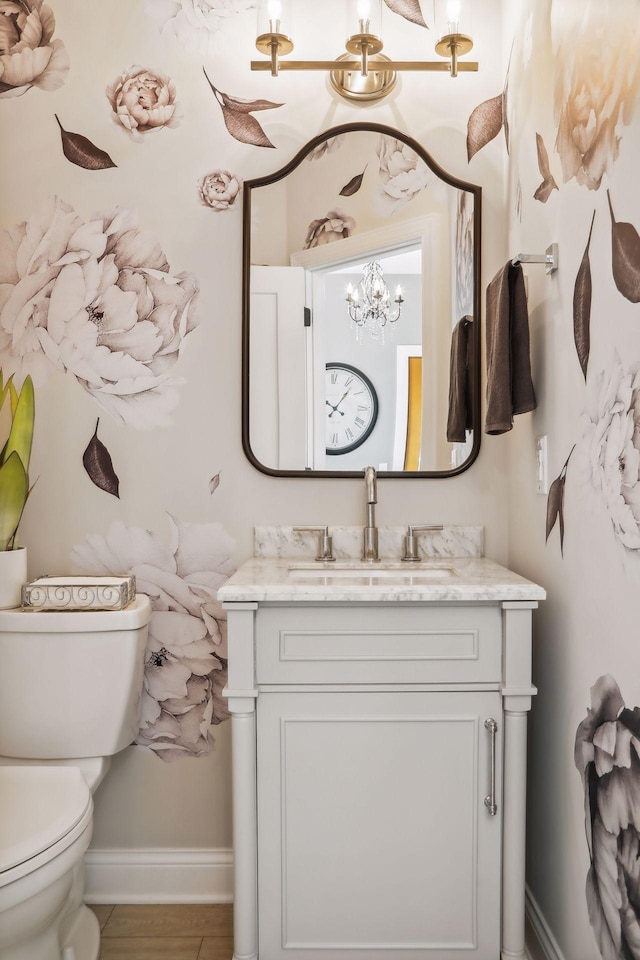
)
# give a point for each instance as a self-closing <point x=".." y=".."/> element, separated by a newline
<point x="13" y="393"/>
<point x="5" y="391"/>
<point x="14" y="487"/>
<point x="10" y="391"/>
<point x="21" y="435"/>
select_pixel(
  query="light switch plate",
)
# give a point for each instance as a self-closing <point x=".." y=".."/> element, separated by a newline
<point x="542" y="472"/>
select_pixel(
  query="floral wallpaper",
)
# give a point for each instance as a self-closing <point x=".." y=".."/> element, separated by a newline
<point x="186" y="656"/>
<point x="596" y="85"/>
<point x="89" y="293"/>
<point x="95" y="298"/>
<point x="594" y="97"/>
<point x="569" y="113"/>
<point x="128" y="130"/>
<point x="607" y="755"/>
<point x="196" y="24"/>
<point x="29" y="56"/>
<point x="92" y="295"/>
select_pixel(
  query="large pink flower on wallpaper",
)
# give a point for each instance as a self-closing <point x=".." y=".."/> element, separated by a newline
<point x="186" y="655"/>
<point x="610" y="446"/>
<point x="403" y="174"/>
<point x="335" y="226"/>
<point x="96" y="299"/>
<point x="29" y="57"/>
<point x="607" y="755"/>
<point x="219" y="189"/>
<point x="196" y="23"/>
<point x="597" y="82"/>
<point x="142" y="101"/>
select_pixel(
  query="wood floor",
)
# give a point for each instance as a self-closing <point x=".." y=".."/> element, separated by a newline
<point x="161" y="932"/>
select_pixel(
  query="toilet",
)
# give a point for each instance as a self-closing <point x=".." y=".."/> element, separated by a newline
<point x="70" y="694"/>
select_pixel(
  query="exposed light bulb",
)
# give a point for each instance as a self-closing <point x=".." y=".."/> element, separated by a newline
<point x="364" y="15"/>
<point x="274" y="11"/>
<point x="454" y="8"/>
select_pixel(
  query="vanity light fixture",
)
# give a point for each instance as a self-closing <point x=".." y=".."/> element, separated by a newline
<point x="364" y="73"/>
<point x="369" y="305"/>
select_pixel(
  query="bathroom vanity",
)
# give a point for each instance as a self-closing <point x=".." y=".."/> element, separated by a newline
<point x="379" y="756"/>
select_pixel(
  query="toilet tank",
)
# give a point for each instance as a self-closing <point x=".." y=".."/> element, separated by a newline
<point x="71" y="682"/>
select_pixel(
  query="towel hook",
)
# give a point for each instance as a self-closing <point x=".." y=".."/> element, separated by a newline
<point x="549" y="258"/>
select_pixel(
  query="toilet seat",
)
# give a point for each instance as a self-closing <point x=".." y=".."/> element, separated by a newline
<point x="42" y="811"/>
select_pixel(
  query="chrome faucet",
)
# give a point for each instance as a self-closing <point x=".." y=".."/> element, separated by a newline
<point x="370" y="545"/>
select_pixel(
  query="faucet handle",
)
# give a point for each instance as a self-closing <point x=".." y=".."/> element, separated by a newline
<point x="325" y="542"/>
<point x="411" y="539"/>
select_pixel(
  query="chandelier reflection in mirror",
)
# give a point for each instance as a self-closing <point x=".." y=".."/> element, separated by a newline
<point x="370" y="306"/>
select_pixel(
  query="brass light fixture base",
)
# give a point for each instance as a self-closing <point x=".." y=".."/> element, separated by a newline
<point x="460" y="41"/>
<point x="364" y="41"/>
<point x="452" y="46"/>
<point x="351" y="85"/>
<point x="266" y="41"/>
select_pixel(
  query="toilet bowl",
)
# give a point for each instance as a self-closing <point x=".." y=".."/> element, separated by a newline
<point x="45" y="828"/>
<point x="70" y="695"/>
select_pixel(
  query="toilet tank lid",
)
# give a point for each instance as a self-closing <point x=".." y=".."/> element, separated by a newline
<point x="135" y="615"/>
<point x="38" y="806"/>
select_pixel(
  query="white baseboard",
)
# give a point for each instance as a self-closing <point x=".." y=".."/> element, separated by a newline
<point x="158" y="876"/>
<point x="543" y="945"/>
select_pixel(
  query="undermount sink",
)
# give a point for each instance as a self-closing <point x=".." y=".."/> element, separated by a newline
<point x="354" y="570"/>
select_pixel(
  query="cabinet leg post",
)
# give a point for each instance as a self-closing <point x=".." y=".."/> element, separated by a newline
<point x="245" y="847"/>
<point x="514" y="825"/>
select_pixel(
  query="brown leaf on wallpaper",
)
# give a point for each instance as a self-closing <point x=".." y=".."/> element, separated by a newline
<point x="354" y="185"/>
<point x="548" y="184"/>
<point x="582" y="306"/>
<point x="484" y="124"/>
<point x="409" y="9"/>
<point x="97" y="462"/>
<point x="555" y="502"/>
<point x="625" y="244"/>
<point x="214" y="483"/>
<point x="81" y="151"/>
<point x="237" y="116"/>
<point x="555" y="507"/>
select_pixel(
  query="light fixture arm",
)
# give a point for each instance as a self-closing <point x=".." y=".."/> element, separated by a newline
<point x="274" y="45"/>
<point x="422" y="66"/>
<point x="363" y="73"/>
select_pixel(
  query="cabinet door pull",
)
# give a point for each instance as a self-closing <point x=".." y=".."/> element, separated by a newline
<point x="490" y="800"/>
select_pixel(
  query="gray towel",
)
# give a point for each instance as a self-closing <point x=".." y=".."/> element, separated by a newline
<point x="509" y="385"/>
<point x="459" y="419"/>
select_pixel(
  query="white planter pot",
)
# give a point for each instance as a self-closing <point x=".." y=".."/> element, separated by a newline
<point x="13" y="573"/>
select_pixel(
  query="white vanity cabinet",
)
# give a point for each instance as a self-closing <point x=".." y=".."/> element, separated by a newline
<point x="379" y="756"/>
<point x="372" y="830"/>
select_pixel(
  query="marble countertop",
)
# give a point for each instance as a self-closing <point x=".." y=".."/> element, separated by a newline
<point x="450" y="579"/>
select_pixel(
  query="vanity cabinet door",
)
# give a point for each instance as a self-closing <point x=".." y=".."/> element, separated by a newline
<point x="373" y="834"/>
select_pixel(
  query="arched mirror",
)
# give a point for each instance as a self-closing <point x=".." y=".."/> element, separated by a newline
<point x="361" y="326"/>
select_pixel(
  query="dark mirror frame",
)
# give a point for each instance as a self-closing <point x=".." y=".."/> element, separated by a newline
<point x="474" y="340"/>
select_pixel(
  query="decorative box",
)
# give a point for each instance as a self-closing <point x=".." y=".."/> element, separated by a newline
<point x="78" y="593"/>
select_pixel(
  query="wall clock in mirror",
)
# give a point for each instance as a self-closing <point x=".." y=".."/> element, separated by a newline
<point x="351" y="408"/>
